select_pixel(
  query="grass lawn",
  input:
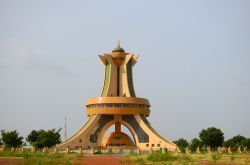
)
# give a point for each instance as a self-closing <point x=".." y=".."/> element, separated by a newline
<point x="184" y="159"/>
<point x="45" y="159"/>
<point x="155" y="158"/>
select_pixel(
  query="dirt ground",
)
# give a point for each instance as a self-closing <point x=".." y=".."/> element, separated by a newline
<point x="87" y="160"/>
<point x="11" y="161"/>
<point x="104" y="160"/>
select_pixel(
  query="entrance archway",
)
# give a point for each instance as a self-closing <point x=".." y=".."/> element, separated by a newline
<point x="108" y="127"/>
<point x="118" y="135"/>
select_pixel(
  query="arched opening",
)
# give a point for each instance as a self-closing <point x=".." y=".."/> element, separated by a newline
<point x="118" y="135"/>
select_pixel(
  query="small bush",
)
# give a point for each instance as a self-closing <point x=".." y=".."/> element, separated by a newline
<point x="185" y="157"/>
<point x="232" y="158"/>
<point x="98" y="152"/>
<point x="140" y="161"/>
<point x="215" y="156"/>
<point x="159" y="157"/>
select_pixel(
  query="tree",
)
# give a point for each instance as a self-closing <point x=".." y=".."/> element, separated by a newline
<point x="44" y="138"/>
<point x="246" y="143"/>
<point x="212" y="137"/>
<point x="33" y="137"/>
<point x="195" y="143"/>
<point x="11" y="139"/>
<point x="182" y="144"/>
<point x="236" y="141"/>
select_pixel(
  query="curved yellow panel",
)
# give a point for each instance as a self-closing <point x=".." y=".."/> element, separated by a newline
<point x="128" y="100"/>
<point x="117" y="111"/>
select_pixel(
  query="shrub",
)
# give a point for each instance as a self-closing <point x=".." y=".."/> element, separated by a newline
<point x="182" y="144"/>
<point x="140" y="161"/>
<point x="11" y="138"/>
<point x="212" y="137"/>
<point x="42" y="138"/>
<point x="195" y="143"/>
<point x="159" y="157"/>
<point x="235" y="141"/>
<point x="215" y="156"/>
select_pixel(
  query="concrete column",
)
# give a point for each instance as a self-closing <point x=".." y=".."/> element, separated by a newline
<point x="92" y="150"/>
<point x="21" y="149"/>
<point x="80" y="150"/>
<point x="1" y="149"/>
<point x="55" y="150"/>
<point x="198" y="150"/>
<point x="67" y="150"/>
<point x="176" y="151"/>
<point x="208" y="150"/>
<point x="245" y="150"/>
<point x="163" y="150"/>
<point x="44" y="150"/>
<point x="138" y="151"/>
<point x="219" y="150"/>
<point x="239" y="150"/>
<point x="33" y="149"/>
<point x="117" y="127"/>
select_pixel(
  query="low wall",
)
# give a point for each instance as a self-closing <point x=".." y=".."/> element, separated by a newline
<point x="117" y="150"/>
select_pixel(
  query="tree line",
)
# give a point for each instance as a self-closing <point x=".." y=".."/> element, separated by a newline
<point x="214" y="138"/>
<point x="210" y="137"/>
<point x="37" y="138"/>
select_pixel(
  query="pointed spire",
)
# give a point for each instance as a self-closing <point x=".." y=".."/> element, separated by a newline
<point x="118" y="44"/>
<point x="118" y="48"/>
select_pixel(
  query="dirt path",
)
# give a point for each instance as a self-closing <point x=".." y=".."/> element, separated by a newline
<point x="11" y="160"/>
<point x="104" y="160"/>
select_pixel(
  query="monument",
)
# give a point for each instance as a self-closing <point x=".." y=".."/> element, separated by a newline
<point x="117" y="105"/>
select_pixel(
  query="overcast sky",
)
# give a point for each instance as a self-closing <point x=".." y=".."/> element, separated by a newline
<point x="193" y="65"/>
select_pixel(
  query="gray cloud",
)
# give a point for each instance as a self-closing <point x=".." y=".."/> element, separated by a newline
<point x="15" y="54"/>
<point x="193" y="64"/>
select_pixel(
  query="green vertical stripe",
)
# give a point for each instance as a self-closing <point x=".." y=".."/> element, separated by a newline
<point x="106" y="79"/>
<point x="130" y="79"/>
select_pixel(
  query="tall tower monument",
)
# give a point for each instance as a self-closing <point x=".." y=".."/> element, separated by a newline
<point x="117" y="105"/>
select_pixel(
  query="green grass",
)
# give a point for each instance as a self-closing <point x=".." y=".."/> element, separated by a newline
<point x="44" y="159"/>
<point x="215" y="156"/>
<point x="139" y="161"/>
<point x="158" y="158"/>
